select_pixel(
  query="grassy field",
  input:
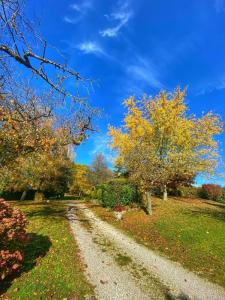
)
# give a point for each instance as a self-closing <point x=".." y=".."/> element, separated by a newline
<point x="52" y="267"/>
<point x="189" y="231"/>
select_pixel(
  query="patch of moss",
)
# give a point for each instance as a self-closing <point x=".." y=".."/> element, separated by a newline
<point x="122" y="260"/>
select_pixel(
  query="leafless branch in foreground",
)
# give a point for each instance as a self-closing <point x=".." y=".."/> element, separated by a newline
<point x="20" y="42"/>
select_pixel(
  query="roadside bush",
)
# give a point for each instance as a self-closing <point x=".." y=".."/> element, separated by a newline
<point x="96" y="192"/>
<point x="119" y="192"/>
<point x="212" y="191"/>
<point x="188" y="192"/>
<point x="12" y="230"/>
<point x="93" y="193"/>
<point x="99" y="194"/>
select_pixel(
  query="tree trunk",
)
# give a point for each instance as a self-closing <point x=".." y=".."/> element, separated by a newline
<point x="165" y="193"/>
<point x="149" y="203"/>
<point x="23" y="196"/>
<point x="39" y="196"/>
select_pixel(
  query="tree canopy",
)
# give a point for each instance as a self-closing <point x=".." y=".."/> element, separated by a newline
<point x="29" y="117"/>
<point x="100" y="172"/>
<point x="80" y="181"/>
<point x="160" y="143"/>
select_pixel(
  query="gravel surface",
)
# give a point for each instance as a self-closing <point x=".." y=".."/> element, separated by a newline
<point x="109" y="281"/>
<point x="100" y="243"/>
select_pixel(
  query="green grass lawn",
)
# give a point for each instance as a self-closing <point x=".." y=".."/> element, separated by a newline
<point x="52" y="268"/>
<point x="191" y="232"/>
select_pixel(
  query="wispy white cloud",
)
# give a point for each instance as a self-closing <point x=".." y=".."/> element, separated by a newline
<point x="120" y="18"/>
<point x="75" y="7"/>
<point x="71" y="20"/>
<point x="101" y="144"/>
<point x="82" y="7"/>
<point x="91" y="47"/>
<point x="210" y="87"/>
<point x="219" y="5"/>
<point x="78" y="11"/>
<point x="144" y="71"/>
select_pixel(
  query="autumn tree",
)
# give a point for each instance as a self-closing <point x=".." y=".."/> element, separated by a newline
<point x="34" y="141"/>
<point x="22" y="109"/>
<point x="100" y="172"/>
<point x="47" y="172"/>
<point x="160" y="143"/>
<point x="80" y="182"/>
<point x="29" y="123"/>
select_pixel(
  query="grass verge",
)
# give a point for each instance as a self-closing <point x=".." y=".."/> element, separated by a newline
<point x="52" y="268"/>
<point x="189" y="231"/>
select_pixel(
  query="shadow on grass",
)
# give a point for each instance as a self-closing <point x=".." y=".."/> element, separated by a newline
<point x="34" y="249"/>
<point x="54" y="212"/>
<point x="216" y="204"/>
<point x="213" y="213"/>
<point x="47" y="211"/>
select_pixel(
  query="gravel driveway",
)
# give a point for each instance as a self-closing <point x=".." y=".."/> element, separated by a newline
<point x="119" y="268"/>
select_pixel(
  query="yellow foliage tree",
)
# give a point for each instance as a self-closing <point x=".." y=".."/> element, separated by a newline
<point x="45" y="173"/>
<point x="160" y="142"/>
<point x="80" y="183"/>
<point x="28" y="123"/>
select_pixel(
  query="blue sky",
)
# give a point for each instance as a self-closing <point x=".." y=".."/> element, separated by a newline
<point x="135" y="47"/>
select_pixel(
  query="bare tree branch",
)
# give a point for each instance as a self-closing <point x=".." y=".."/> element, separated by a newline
<point x="17" y="43"/>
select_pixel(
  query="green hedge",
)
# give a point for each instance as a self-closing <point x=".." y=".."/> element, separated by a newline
<point x="120" y="191"/>
<point x="116" y="192"/>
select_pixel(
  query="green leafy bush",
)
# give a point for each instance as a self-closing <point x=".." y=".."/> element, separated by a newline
<point x="119" y="192"/>
<point x="93" y="194"/>
<point x="99" y="194"/>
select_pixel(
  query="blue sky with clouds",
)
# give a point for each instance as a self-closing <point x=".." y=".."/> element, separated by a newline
<point x="135" y="47"/>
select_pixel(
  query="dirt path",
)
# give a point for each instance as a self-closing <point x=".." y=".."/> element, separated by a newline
<point x="119" y="268"/>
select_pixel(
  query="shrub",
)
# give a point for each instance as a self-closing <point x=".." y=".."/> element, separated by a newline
<point x="99" y="194"/>
<point x="188" y="192"/>
<point x="93" y="193"/>
<point x="212" y="191"/>
<point x="119" y="193"/>
<point x="12" y="230"/>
